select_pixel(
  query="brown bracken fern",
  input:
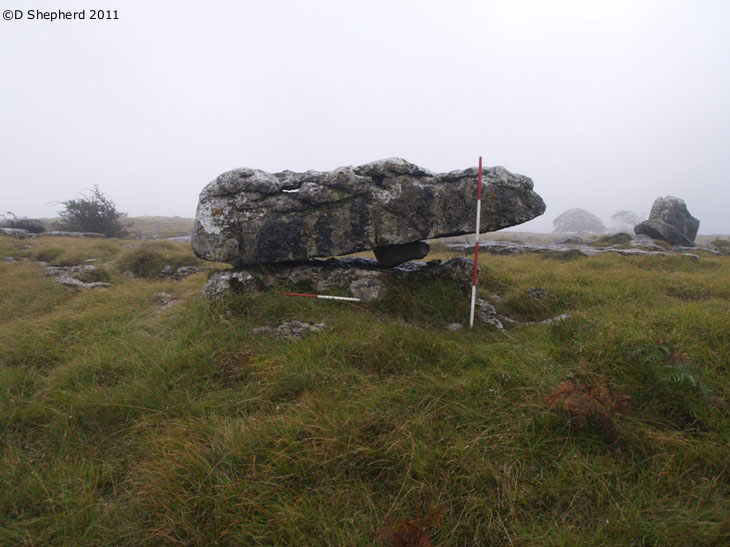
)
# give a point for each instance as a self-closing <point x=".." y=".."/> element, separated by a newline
<point x="586" y="402"/>
<point x="411" y="533"/>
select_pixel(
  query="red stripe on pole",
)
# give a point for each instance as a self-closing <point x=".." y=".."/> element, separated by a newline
<point x="476" y="243"/>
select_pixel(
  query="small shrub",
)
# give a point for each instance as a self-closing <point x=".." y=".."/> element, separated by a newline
<point x="92" y="213"/>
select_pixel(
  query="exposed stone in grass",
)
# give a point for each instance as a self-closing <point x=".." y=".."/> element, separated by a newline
<point x="221" y="282"/>
<point x="182" y="271"/>
<point x="17" y="233"/>
<point x="10" y="259"/>
<point x="556" y="319"/>
<point x="165" y="300"/>
<point x="69" y="276"/>
<point x="508" y="248"/>
<point x="486" y="313"/>
<point x="73" y="282"/>
<point x="538" y="292"/>
<point x="570" y="240"/>
<point x="290" y="329"/>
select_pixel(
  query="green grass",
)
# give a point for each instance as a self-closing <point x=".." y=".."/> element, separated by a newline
<point x="124" y="424"/>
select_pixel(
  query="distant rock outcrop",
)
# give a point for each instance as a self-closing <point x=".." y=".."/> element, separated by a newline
<point x="670" y="221"/>
<point x="247" y="216"/>
<point x="17" y="233"/>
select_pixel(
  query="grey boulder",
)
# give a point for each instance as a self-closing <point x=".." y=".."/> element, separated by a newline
<point x="248" y="216"/>
<point x="670" y="221"/>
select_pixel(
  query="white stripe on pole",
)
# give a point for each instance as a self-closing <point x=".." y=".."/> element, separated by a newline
<point x="345" y="298"/>
<point x="323" y="296"/>
<point x="476" y="246"/>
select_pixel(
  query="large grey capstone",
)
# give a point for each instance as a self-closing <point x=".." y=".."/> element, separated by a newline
<point x="248" y="216"/>
<point x="670" y="221"/>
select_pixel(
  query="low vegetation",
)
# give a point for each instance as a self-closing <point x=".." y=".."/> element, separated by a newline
<point x="123" y="422"/>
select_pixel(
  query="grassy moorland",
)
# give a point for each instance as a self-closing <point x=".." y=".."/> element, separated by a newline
<point x="146" y="225"/>
<point x="125" y="423"/>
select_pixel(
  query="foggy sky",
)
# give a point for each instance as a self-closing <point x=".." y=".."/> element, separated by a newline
<point x="606" y="105"/>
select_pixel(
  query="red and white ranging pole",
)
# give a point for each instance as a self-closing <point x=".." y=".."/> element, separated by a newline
<point x="476" y="246"/>
<point x="324" y="297"/>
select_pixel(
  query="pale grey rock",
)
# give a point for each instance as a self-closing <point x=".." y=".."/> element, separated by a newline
<point x="538" y="293"/>
<point x="247" y="216"/>
<point x="182" y="271"/>
<point x="290" y="329"/>
<point x="165" y="300"/>
<point x="65" y="276"/>
<point x="10" y="259"/>
<point x="73" y="282"/>
<point x="455" y="326"/>
<point x="670" y="221"/>
<point x="508" y="249"/>
<point x="17" y="233"/>
<point x="221" y="282"/>
<point x="368" y="288"/>
<point x="486" y="313"/>
<point x="62" y="271"/>
<point x="556" y="319"/>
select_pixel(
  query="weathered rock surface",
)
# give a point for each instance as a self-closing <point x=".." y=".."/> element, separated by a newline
<point x="66" y="275"/>
<point x="290" y="329"/>
<point x="507" y="248"/>
<point x="364" y="277"/>
<point x="17" y="233"/>
<point x="182" y="271"/>
<point x="570" y="240"/>
<point x="670" y="221"/>
<point x="248" y="216"/>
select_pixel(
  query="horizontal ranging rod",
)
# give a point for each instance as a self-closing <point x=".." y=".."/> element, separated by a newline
<point x="323" y="296"/>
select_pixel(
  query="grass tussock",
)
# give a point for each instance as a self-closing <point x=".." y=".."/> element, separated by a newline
<point x="149" y="260"/>
<point x="125" y="423"/>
